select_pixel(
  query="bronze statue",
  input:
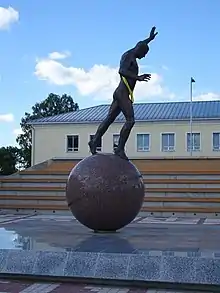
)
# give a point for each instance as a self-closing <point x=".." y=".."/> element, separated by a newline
<point x="123" y="96"/>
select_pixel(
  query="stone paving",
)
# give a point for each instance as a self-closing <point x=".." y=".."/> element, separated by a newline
<point x="144" y="234"/>
<point x="191" y="244"/>
<point x="30" y="287"/>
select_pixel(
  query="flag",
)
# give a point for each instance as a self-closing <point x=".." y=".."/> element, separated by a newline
<point x="192" y="80"/>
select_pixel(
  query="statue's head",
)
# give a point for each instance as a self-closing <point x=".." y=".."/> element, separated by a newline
<point x="141" y="50"/>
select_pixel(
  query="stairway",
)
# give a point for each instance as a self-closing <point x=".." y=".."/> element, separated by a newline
<point x="180" y="187"/>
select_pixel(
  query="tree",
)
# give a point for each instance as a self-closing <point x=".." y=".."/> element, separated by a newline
<point x="52" y="105"/>
<point x="9" y="160"/>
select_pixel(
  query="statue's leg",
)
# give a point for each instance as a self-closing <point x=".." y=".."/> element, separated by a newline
<point x="128" y="111"/>
<point x="114" y="111"/>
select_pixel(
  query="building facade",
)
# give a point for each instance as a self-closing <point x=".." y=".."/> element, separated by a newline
<point x="161" y="130"/>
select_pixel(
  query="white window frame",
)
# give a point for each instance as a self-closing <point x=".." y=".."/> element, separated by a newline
<point x="149" y="147"/>
<point x="99" y="149"/>
<point x="213" y="149"/>
<point x="74" y="149"/>
<point x="169" y="149"/>
<point x="200" y="140"/>
<point x="114" y="134"/>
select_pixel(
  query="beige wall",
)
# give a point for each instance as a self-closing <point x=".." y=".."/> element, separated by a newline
<point x="50" y="140"/>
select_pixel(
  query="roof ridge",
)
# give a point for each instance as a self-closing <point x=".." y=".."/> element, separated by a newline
<point x="153" y="103"/>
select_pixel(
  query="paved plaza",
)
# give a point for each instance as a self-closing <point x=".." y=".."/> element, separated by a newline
<point x="151" y="235"/>
<point x="190" y="243"/>
<point x="28" y="287"/>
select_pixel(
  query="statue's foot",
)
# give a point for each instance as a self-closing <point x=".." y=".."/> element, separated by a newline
<point x="92" y="147"/>
<point x="121" y="154"/>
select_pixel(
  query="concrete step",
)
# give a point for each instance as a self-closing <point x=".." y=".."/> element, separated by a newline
<point x="186" y="186"/>
<point x="187" y="195"/>
<point x="36" y="185"/>
<point x="50" y="212"/>
<point x="41" y="193"/>
<point x="148" y="201"/>
<point x="186" y="214"/>
<point x="33" y="203"/>
<point x="182" y="176"/>
<point x="41" y="176"/>
<point x="146" y="210"/>
<point x="25" y="211"/>
<point x="147" y="177"/>
<point x="150" y="183"/>
<point x="31" y="180"/>
<point x="187" y="192"/>
<point x="186" y="204"/>
<point x="174" y="210"/>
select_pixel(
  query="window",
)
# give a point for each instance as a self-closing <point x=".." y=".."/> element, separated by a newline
<point x="195" y="142"/>
<point x="72" y="143"/>
<point x="168" y="142"/>
<point x="115" y="140"/>
<point x="216" y="141"/>
<point x="143" y="142"/>
<point x="99" y="146"/>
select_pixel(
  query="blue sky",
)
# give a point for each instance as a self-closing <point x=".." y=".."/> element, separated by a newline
<point x="92" y="35"/>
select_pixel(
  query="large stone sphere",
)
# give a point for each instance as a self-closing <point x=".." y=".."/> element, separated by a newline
<point x="105" y="192"/>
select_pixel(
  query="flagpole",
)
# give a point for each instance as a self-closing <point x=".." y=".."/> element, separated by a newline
<point x="191" y="113"/>
<point x="190" y="119"/>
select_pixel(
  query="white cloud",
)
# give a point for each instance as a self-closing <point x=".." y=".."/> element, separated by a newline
<point x="8" y="16"/>
<point x="17" y="131"/>
<point x="207" y="97"/>
<point x="99" y="81"/>
<point x="164" y="67"/>
<point x="59" y="55"/>
<point x="6" y="117"/>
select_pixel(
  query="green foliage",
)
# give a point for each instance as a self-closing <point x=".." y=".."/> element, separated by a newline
<point x="9" y="160"/>
<point x="52" y="105"/>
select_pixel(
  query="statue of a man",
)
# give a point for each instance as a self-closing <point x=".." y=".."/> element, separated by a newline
<point x="123" y="96"/>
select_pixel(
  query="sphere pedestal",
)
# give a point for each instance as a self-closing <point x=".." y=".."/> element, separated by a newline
<point x="105" y="192"/>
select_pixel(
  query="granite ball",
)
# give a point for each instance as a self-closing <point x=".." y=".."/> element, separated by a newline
<point x="104" y="192"/>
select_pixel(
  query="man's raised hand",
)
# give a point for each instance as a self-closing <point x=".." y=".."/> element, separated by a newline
<point x="152" y="33"/>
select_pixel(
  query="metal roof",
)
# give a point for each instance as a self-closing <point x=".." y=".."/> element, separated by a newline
<point x="174" y="111"/>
